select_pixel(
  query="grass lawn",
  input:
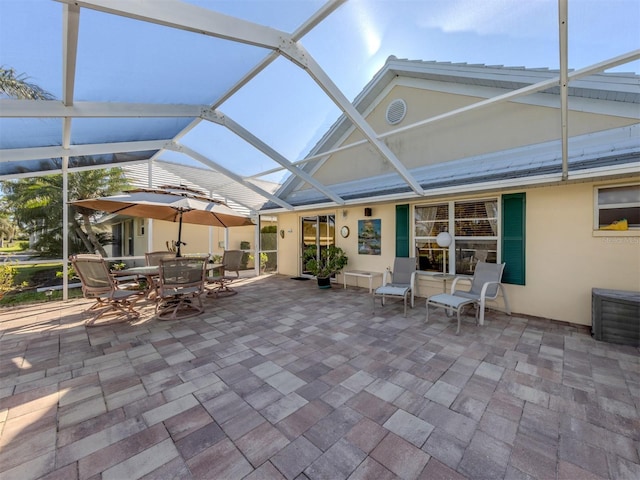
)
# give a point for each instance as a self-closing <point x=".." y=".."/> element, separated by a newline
<point x="31" y="297"/>
<point x="15" y="247"/>
<point x="28" y="278"/>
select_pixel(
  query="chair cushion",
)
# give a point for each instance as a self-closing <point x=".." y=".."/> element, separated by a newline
<point x="471" y="295"/>
<point x="454" y="301"/>
<point x="391" y="290"/>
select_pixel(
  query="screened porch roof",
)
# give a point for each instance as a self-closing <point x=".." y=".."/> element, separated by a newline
<point x="236" y="97"/>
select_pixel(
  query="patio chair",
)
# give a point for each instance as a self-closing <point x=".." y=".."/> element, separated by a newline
<point x="180" y="284"/>
<point x="152" y="259"/>
<point x="99" y="284"/>
<point x="485" y="285"/>
<point x="232" y="260"/>
<point x="401" y="284"/>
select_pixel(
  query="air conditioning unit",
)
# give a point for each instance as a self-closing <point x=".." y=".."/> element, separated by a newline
<point x="615" y="316"/>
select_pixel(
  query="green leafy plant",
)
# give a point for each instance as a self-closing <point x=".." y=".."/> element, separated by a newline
<point x="264" y="258"/>
<point x="332" y="260"/>
<point x="7" y="274"/>
<point x="118" y="266"/>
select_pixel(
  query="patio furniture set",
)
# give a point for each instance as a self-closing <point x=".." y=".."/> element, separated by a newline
<point x="175" y="284"/>
<point x="485" y="286"/>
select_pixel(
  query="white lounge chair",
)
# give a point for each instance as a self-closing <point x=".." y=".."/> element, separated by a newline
<point x="401" y="283"/>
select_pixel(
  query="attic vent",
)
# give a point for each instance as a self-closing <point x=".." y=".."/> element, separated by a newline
<point x="396" y="111"/>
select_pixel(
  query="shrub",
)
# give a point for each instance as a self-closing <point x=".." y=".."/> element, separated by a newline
<point x="7" y="274"/>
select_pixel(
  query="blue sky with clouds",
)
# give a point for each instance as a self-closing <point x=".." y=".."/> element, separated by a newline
<point x="283" y="106"/>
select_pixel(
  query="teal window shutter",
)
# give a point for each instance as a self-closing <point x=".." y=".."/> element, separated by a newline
<point x="513" y="238"/>
<point x="402" y="230"/>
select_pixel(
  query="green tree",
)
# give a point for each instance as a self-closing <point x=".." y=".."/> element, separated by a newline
<point x="18" y="86"/>
<point x="37" y="202"/>
<point x="37" y="205"/>
<point x="7" y="229"/>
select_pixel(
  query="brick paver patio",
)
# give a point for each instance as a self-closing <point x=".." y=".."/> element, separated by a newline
<point x="288" y="381"/>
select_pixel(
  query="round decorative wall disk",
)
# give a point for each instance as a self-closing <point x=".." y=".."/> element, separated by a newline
<point x="344" y="231"/>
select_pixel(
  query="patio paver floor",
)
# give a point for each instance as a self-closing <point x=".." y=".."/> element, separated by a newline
<point x="288" y="381"/>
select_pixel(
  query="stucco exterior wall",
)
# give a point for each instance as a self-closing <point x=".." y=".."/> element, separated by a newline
<point x="198" y="238"/>
<point x="491" y="129"/>
<point x="565" y="257"/>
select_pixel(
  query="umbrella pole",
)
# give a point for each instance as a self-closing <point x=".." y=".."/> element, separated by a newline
<point x="179" y="242"/>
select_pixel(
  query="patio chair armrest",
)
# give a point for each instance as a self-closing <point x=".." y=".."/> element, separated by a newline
<point x="485" y="287"/>
<point x="465" y="278"/>
<point x="385" y="277"/>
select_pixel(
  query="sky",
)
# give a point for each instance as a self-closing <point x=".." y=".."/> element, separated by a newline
<point x="126" y="60"/>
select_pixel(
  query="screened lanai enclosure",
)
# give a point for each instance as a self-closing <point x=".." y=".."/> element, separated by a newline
<point x="246" y="100"/>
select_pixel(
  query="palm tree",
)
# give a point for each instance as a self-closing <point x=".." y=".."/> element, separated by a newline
<point x="18" y="86"/>
<point x="33" y="200"/>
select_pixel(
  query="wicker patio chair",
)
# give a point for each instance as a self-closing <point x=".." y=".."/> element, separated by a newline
<point x="99" y="284"/>
<point x="181" y="282"/>
<point x="232" y="260"/>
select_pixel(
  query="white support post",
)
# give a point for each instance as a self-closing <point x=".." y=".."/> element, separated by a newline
<point x="150" y="220"/>
<point x="563" y="20"/>
<point x="65" y="230"/>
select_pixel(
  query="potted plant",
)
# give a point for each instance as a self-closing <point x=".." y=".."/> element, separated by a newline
<point x="331" y="260"/>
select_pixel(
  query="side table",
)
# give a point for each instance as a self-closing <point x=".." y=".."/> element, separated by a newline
<point x="361" y="273"/>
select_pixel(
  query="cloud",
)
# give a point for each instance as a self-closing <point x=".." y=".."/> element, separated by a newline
<point x="492" y="17"/>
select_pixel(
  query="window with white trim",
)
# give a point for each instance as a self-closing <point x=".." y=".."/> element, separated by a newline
<point x="616" y="204"/>
<point x="473" y="226"/>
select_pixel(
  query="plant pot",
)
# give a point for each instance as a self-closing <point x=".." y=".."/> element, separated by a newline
<point x="324" y="282"/>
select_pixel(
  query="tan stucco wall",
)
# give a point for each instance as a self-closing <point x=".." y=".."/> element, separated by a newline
<point x="198" y="238"/>
<point x="491" y="129"/>
<point x="565" y="257"/>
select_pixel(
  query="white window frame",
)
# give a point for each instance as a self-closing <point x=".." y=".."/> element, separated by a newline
<point x="597" y="207"/>
<point x="451" y="251"/>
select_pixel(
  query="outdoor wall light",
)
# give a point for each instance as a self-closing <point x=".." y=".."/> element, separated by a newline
<point x="282" y="233"/>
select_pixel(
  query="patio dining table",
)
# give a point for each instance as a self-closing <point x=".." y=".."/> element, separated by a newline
<point x="151" y="272"/>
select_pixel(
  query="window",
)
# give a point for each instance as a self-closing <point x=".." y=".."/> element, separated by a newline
<point x="475" y="235"/>
<point x="614" y="204"/>
<point x="140" y="224"/>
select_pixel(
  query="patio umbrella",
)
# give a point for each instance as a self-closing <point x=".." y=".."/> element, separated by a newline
<point x="172" y="204"/>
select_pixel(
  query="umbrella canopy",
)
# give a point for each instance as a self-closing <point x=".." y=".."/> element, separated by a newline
<point x="170" y="204"/>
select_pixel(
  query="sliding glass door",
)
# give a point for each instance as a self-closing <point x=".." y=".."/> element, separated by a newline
<point x="319" y="231"/>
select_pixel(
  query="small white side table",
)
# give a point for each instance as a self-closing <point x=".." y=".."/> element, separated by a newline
<point x="361" y="273"/>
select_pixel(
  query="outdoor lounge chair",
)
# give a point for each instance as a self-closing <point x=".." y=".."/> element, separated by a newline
<point x="180" y="284"/>
<point x="232" y="260"/>
<point x="485" y="285"/>
<point x="401" y="284"/>
<point x="99" y="284"/>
